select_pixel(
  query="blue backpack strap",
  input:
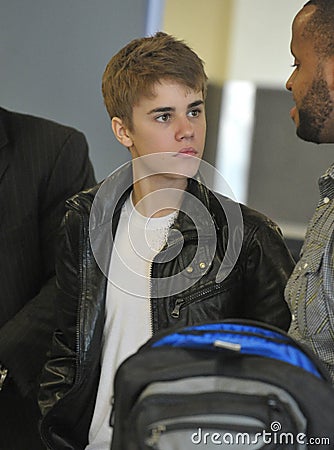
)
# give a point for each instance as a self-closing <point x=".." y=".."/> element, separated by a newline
<point x="241" y="338"/>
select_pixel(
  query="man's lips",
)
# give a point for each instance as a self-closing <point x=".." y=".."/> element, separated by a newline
<point x="293" y="112"/>
<point x="189" y="151"/>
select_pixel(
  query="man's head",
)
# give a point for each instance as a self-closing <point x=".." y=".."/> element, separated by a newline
<point x="312" y="81"/>
<point x="136" y="69"/>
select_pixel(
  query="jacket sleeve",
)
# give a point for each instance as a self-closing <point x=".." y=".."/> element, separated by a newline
<point x="69" y="379"/>
<point x="25" y="338"/>
<point x="267" y="267"/>
<point x="59" y="371"/>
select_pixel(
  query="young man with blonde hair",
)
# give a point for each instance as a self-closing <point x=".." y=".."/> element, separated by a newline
<point x="152" y="246"/>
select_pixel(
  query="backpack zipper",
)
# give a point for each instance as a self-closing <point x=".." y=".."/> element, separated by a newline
<point x="179" y="423"/>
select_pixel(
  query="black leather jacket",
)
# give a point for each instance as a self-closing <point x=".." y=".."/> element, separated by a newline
<point x="250" y="286"/>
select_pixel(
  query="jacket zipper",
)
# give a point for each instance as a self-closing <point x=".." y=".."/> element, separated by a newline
<point x="3" y="376"/>
<point x="151" y="273"/>
<point x="81" y="252"/>
<point x="181" y="302"/>
<point x="150" y="297"/>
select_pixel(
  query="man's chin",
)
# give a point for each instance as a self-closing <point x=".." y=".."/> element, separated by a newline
<point x="309" y="135"/>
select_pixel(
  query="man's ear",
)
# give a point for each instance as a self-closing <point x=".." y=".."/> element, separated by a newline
<point x="329" y="72"/>
<point x="121" y="132"/>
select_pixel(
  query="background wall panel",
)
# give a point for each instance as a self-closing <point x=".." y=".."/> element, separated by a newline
<point x="53" y="54"/>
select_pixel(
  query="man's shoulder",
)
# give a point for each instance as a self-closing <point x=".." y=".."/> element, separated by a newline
<point x="23" y="122"/>
<point x="251" y="217"/>
<point x="257" y="218"/>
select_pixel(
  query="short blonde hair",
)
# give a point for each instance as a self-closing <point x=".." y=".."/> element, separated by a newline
<point x="132" y="73"/>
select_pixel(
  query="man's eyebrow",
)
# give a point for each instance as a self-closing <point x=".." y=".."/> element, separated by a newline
<point x="161" y="109"/>
<point x="165" y="109"/>
<point x="196" y="103"/>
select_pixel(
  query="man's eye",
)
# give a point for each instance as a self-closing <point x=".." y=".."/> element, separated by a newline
<point x="194" y="112"/>
<point x="163" y="118"/>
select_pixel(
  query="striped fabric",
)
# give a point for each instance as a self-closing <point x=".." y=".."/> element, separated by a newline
<point x="42" y="163"/>
<point x="310" y="290"/>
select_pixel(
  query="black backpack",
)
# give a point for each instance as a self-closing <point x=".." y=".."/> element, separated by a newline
<point x="227" y="385"/>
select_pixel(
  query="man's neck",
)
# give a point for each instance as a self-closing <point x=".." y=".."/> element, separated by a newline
<point x="152" y="198"/>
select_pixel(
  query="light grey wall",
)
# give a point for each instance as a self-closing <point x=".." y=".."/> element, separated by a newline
<point x="52" y="56"/>
<point x="284" y="170"/>
<point x="259" y="42"/>
<point x="281" y="171"/>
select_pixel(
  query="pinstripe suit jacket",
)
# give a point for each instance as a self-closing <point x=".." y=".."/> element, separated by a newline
<point x="42" y="163"/>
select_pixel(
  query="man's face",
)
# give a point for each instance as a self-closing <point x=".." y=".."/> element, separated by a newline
<point x="168" y="131"/>
<point x="311" y="84"/>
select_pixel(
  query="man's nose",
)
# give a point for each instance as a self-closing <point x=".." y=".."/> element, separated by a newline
<point x="289" y="82"/>
<point x="185" y="129"/>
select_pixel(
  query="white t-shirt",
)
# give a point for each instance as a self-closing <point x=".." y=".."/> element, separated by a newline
<point x="128" y="317"/>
